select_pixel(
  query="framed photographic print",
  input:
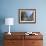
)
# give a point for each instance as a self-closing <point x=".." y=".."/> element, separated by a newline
<point x="27" y="15"/>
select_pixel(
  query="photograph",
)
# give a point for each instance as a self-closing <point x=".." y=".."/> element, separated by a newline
<point x="27" y="15"/>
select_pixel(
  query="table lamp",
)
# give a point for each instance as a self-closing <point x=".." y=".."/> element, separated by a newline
<point x="9" y="21"/>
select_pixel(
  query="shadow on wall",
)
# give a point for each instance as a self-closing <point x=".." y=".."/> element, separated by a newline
<point x="2" y="21"/>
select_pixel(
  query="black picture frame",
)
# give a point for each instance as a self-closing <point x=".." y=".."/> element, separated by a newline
<point x="27" y="15"/>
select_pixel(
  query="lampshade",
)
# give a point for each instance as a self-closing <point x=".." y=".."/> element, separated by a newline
<point x="9" y="21"/>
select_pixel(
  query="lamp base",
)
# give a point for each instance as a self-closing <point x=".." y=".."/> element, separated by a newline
<point x="9" y="33"/>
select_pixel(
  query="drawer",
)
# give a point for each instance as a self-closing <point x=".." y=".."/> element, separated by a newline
<point x="9" y="43"/>
<point x="33" y="43"/>
<point x="16" y="37"/>
<point x="13" y="43"/>
<point x="37" y="43"/>
<point x="34" y="37"/>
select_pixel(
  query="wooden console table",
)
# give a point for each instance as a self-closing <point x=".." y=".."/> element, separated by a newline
<point x="20" y="39"/>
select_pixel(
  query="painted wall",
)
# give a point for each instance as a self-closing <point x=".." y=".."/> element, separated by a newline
<point x="9" y="8"/>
